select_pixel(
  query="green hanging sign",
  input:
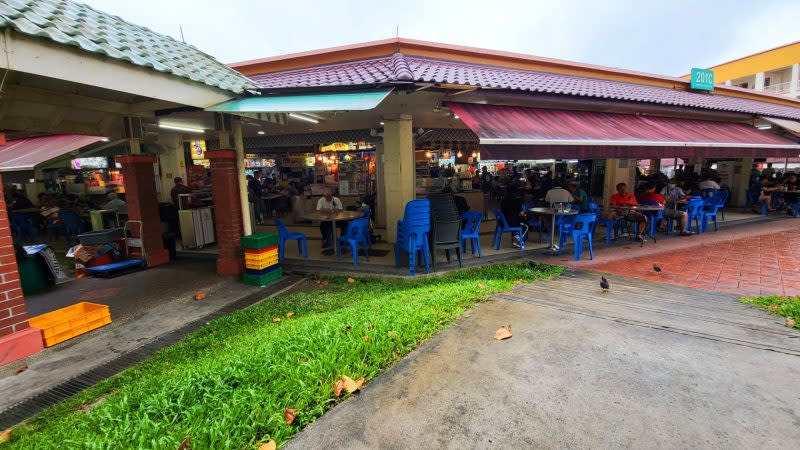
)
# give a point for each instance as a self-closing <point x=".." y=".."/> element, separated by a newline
<point x="702" y="79"/>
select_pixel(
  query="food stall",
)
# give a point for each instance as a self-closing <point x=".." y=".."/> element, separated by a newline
<point x="436" y="169"/>
<point x="94" y="176"/>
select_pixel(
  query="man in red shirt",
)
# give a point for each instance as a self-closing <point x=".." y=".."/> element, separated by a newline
<point x="624" y="198"/>
<point x="649" y="195"/>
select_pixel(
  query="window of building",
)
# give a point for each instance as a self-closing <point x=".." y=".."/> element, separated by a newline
<point x="744" y="85"/>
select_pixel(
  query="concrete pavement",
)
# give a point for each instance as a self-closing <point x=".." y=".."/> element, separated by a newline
<point x="646" y="366"/>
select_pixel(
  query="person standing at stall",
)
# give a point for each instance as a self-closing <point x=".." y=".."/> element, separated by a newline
<point x="178" y="189"/>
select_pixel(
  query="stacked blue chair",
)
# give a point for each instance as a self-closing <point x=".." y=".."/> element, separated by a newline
<point x="472" y="225"/>
<point x="583" y="228"/>
<point x="355" y="234"/>
<point x="412" y="234"/>
<point x="503" y="227"/>
<point x="285" y="235"/>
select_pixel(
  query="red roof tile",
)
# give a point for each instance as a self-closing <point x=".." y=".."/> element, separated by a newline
<point x="399" y="68"/>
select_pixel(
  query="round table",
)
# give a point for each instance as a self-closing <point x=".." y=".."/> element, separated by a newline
<point x="344" y="216"/>
<point x="553" y="212"/>
<point x="627" y="209"/>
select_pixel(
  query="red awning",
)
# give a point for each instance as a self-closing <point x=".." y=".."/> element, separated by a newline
<point x="512" y="132"/>
<point x="25" y="154"/>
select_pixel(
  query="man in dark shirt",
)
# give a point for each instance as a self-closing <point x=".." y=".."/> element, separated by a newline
<point x="179" y="188"/>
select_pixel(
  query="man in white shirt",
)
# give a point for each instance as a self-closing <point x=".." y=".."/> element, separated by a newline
<point x="330" y="205"/>
<point x="709" y="183"/>
<point x="558" y="195"/>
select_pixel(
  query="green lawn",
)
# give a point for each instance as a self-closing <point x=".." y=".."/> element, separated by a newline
<point x="227" y="385"/>
<point x="778" y="305"/>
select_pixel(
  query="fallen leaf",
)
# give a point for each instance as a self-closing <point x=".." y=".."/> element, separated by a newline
<point x="503" y="333"/>
<point x="350" y="385"/>
<point x="481" y="286"/>
<point x="20" y="370"/>
<point x="338" y="387"/>
<point x="347" y="328"/>
<point x="5" y="436"/>
<point x="773" y="307"/>
<point x="518" y="282"/>
<point x="289" y="314"/>
<point x="371" y="326"/>
<point x="790" y="322"/>
<point x="351" y="280"/>
<point x="269" y="445"/>
<point x="324" y="283"/>
<point x="395" y="355"/>
<point x="289" y="414"/>
<point x="366" y="338"/>
<point x="185" y="445"/>
<point x="199" y="295"/>
<point x="276" y="319"/>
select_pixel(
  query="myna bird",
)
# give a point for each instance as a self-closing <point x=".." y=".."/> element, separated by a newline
<point x="657" y="268"/>
<point x="604" y="284"/>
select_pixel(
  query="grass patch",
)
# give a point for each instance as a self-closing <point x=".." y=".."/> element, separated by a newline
<point x="778" y="305"/>
<point x="227" y="384"/>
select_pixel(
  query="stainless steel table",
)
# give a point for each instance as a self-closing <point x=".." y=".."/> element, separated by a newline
<point x="553" y="212"/>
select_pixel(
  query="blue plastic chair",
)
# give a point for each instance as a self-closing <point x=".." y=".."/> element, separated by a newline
<point x="565" y="229"/>
<point x="355" y="234"/>
<point x="412" y="234"/>
<point x="612" y="225"/>
<point x="73" y="225"/>
<point x="653" y="217"/>
<point x="21" y="226"/>
<point x="503" y="227"/>
<point x="587" y="223"/>
<point x="285" y="235"/>
<point x="752" y="200"/>
<point x="711" y="206"/>
<point x="694" y="209"/>
<point x="469" y="232"/>
<point x="533" y="221"/>
<point x="708" y="193"/>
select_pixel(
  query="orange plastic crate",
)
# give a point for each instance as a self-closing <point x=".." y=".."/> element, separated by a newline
<point x="74" y="320"/>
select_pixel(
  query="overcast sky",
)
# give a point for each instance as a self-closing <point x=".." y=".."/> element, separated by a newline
<point x="653" y="36"/>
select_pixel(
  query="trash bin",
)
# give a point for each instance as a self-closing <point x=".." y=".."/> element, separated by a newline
<point x="33" y="273"/>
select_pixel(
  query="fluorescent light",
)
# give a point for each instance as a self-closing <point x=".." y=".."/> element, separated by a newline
<point x="300" y="117"/>
<point x="260" y="132"/>
<point x="181" y="128"/>
<point x="764" y="127"/>
<point x="105" y="139"/>
<point x="381" y="123"/>
<point x="455" y="116"/>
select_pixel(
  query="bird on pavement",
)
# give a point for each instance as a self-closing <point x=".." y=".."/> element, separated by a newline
<point x="604" y="284"/>
<point x="657" y="268"/>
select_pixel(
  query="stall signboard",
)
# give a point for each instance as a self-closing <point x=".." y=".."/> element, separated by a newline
<point x="702" y="79"/>
<point x="198" y="149"/>
<point x="347" y="146"/>
<point x="94" y="162"/>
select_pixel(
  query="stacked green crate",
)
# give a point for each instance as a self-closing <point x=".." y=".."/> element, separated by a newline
<point x="261" y="259"/>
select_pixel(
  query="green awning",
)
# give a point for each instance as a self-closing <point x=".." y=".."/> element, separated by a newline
<point x="334" y="101"/>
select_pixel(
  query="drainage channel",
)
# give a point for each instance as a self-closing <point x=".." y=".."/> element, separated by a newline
<point x="28" y="408"/>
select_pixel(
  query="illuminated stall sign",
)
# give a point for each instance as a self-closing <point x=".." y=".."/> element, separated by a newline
<point x="94" y="162"/>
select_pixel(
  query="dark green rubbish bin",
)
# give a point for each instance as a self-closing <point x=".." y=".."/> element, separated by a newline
<point x="33" y="273"/>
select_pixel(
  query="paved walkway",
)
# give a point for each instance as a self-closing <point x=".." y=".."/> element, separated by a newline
<point x="750" y="259"/>
<point x="644" y="366"/>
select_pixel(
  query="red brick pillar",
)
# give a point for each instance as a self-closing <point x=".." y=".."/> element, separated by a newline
<point x="227" y="211"/>
<point x="142" y="200"/>
<point x="17" y="339"/>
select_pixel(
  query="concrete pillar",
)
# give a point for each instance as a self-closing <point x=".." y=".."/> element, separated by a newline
<point x="238" y="142"/>
<point x="794" y="81"/>
<point x="398" y="169"/>
<point x="618" y="171"/>
<point x="728" y="83"/>
<point x="142" y="200"/>
<point x="227" y="211"/>
<point x="740" y="183"/>
<point x="380" y="214"/>
<point x="172" y="162"/>
<point x="759" y="85"/>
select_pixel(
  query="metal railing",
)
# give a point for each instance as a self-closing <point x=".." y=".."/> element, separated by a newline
<point x="778" y="88"/>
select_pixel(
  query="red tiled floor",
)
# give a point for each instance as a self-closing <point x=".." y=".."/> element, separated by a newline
<point x="757" y="259"/>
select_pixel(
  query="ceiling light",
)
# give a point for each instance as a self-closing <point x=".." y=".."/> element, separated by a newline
<point x="764" y="127"/>
<point x="381" y="123"/>
<point x="105" y="139"/>
<point x="455" y="116"/>
<point x="301" y="117"/>
<point x="260" y="132"/>
<point x="180" y="128"/>
<point x="474" y="154"/>
<point x="428" y="154"/>
<point x="459" y="154"/>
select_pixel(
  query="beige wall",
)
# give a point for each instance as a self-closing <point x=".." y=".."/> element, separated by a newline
<point x="172" y="162"/>
<point x="398" y="170"/>
<point x="618" y="171"/>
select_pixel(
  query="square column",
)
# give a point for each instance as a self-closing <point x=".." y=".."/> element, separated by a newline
<point x="759" y="84"/>
<point x="227" y="211"/>
<point x="142" y="200"/>
<point x="794" y="81"/>
<point x="398" y="169"/>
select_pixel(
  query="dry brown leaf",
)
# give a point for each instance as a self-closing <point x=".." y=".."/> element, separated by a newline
<point x="289" y="314"/>
<point x="20" y="370"/>
<point x="518" y="282"/>
<point x="185" y="445"/>
<point x="773" y="307"/>
<point x="269" y="445"/>
<point x="351" y="280"/>
<point x="324" y="282"/>
<point x="503" y="333"/>
<point x="289" y="414"/>
<point x="276" y="319"/>
<point x="395" y="355"/>
<point x="347" y="328"/>
<point x="5" y="436"/>
<point x="338" y="387"/>
<point x="366" y="338"/>
<point x="199" y="295"/>
<point x="481" y="286"/>
<point x="790" y="322"/>
<point x="350" y="385"/>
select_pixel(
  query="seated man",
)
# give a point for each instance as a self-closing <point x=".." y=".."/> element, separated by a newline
<point x="792" y="183"/>
<point x="621" y="199"/>
<point x="761" y="192"/>
<point x="557" y="194"/>
<point x="115" y="204"/>
<point x="709" y="183"/>
<point x="649" y="195"/>
<point x="329" y="204"/>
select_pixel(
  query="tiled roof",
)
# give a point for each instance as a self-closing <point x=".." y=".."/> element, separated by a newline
<point x="398" y="67"/>
<point x="78" y="25"/>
